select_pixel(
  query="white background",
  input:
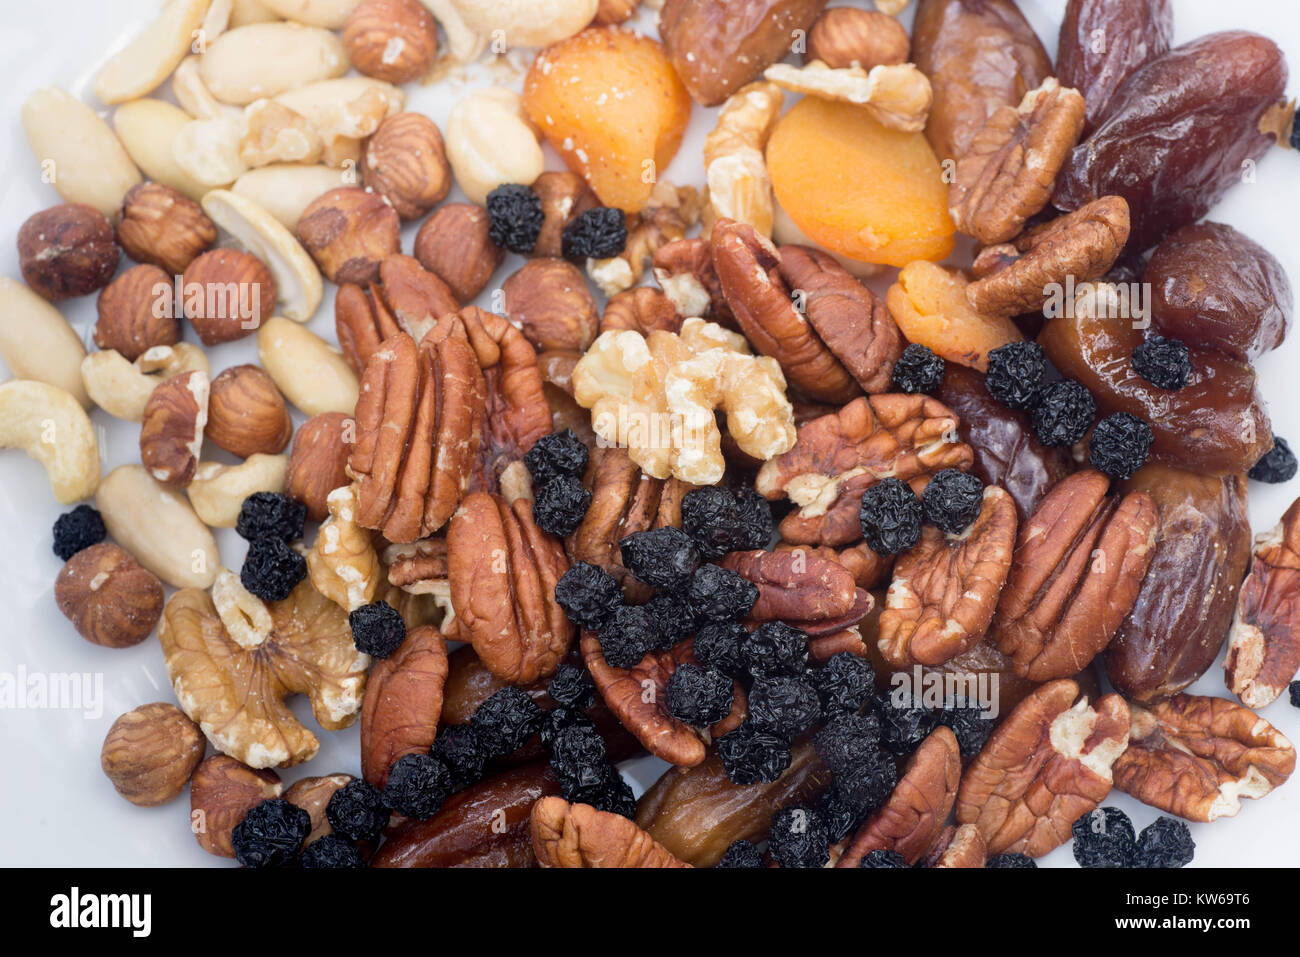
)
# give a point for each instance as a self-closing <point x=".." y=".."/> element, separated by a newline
<point x="56" y="806"/>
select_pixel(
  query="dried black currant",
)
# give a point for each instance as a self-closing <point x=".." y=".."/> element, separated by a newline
<point x="798" y="838"/>
<point x="588" y="594"/>
<point x="459" y="747"/>
<point x="417" y="786"/>
<point x="505" y="720"/>
<point x="560" y="719"/>
<point x="882" y="858"/>
<point x="784" y="704"/>
<point x="1064" y="413"/>
<point x="1293" y="690"/>
<point x="1120" y="445"/>
<point x="378" y="629"/>
<point x="1165" y="363"/>
<point x="699" y="696"/>
<point x="1165" y="842"/>
<point x="970" y="727"/>
<point x="599" y="233"/>
<point x="845" y="683"/>
<point x="357" y="811"/>
<point x="891" y="517"/>
<point x="721" y="645"/>
<point x="1104" y="838"/>
<point x="754" y="521"/>
<point x="1010" y="861"/>
<point x="614" y="795"/>
<point x="77" y="530"/>
<point x="719" y="594"/>
<point x="741" y="854"/>
<point x="749" y="754"/>
<point x="628" y="636"/>
<point x="848" y="741"/>
<point x="270" y="834"/>
<point x="571" y="686"/>
<point x="515" y="218"/>
<point x="1015" y="374"/>
<point x="840" y="819"/>
<point x="721" y="521"/>
<point x="560" y="453"/>
<point x="1278" y="464"/>
<point x="673" y="617"/>
<point x="918" y="369"/>
<point x="560" y="505"/>
<point x="661" y="557"/>
<point x="578" y="759"/>
<point x="271" y="515"/>
<point x="903" y="723"/>
<point x="952" y="500"/>
<point x="775" y="648"/>
<point x="867" y="785"/>
<point x="272" y="569"/>
<point x="331" y="851"/>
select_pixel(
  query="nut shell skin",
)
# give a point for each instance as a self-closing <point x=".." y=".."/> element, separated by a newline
<point x="129" y="307"/>
<point x="405" y="162"/>
<point x="222" y="791"/>
<point x="163" y="228"/>
<point x="391" y="40"/>
<point x="349" y="231"/>
<point x="150" y="753"/>
<point x="247" y="414"/>
<point x="845" y="37"/>
<point x="67" y="251"/>
<point x="108" y="596"/>
<point x="206" y="288"/>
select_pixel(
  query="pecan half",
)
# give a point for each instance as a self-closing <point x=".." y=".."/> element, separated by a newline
<point x="1007" y="174"/>
<point x="419" y="427"/>
<point x="408" y="298"/>
<point x="503" y="570"/>
<point x="838" y="456"/>
<point x="1076" y="572"/>
<point x="945" y="590"/>
<point x="1020" y="277"/>
<point x="910" y="820"/>
<point x="1197" y="757"/>
<point x="685" y="272"/>
<point x="957" y="847"/>
<point x="1264" y="644"/>
<point x="795" y="585"/>
<point x="577" y="835"/>
<point x="1046" y="765"/>
<point x="868" y="568"/>
<point x="399" y="715"/>
<point x="636" y="695"/>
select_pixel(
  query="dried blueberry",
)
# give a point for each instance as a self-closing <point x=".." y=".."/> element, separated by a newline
<point x="661" y="557"/>
<point x="903" y="723"/>
<point x="578" y="759"/>
<point x="599" y="233"/>
<point x="1015" y="374"/>
<point x="378" y="629"/>
<point x="560" y="453"/>
<point x="560" y="505"/>
<point x="719" y="594"/>
<point x="505" y="720"/>
<point x="699" y="696"/>
<point x="417" y="786"/>
<point x="331" y="851"/>
<point x="1165" y="842"/>
<point x="754" y="521"/>
<point x="721" y="644"/>
<point x="271" y="515"/>
<point x="784" y="704"/>
<point x="883" y="858"/>
<point x="560" y="719"/>
<point x="750" y="754"/>
<point x="571" y="686"/>
<point x="1165" y="363"/>
<point x="971" y="728"/>
<point x="775" y="648"/>
<point x="845" y="683"/>
<point x="848" y="741"/>
<point x="867" y="785"/>
<point x="77" y="530"/>
<point x="952" y="500"/>
<point x="673" y="618"/>
<point x="272" y="569"/>
<point x="1104" y="838"/>
<point x="515" y="218"/>
<point x="614" y="795"/>
<point x="741" y="854"/>
<point x="588" y="594"/>
<point x="1293" y="690"/>
<point x="628" y="636"/>
<point x="1120" y="444"/>
<point x="1010" y="861"/>
<point x="891" y="516"/>
<point x="840" y="819"/>
<point x="1278" y="464"/>
<point x="1064" y="413"/>
<point x="357" y="811"/>
<point x="270" y="834"/>
<point x="918" y="369"/>
<point x="798" y="838"/>
<point x="459" y="747"/>
<point x="721" y="521"/>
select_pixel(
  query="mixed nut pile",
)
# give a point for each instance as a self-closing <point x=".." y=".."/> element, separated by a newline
<point x="736" y="511"/>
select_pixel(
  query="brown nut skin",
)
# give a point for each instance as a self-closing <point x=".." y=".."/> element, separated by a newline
<point x="846" y="37"/>
<point x="408" y="298"/>
<point x="1183" y="611"/>
<point x="391" y="40"/>
<point x="868" y="568"/>
<point x="405" y="162"/>
<point x="247" y="414"/>
<point x="1198" y="757"/>
<point x="577" y="835"/>
<point x="137" y="312"/>
<point x="222" y="791"/>
<point x="794" y="584"/>
<point x="642" y="310"/>
<point x="697" y="813"/>
<point x="227" y="294"/>
<point x="313" y="796"/>
<point x="685" y="271"/>
<point x="549" y="301"/>
<point x="962" y="847"/>
<point x="565" y="196"/>
<point x="917" y="809"/>
<point x="349" y="231"/>
<point x="1047" y="764"/>
<point x="171" y="432"/>
<point x="979" y="55"/>
<point x="485" y="825"/>
<point x="67" y="251"/>
<point x="108" y="596"/>
<point x="717" y="46"/>
<point x="150" y="753"/>
<point x="615" y="11"/>
<point x="161" y="227"/>
<point x="454" y="245"/>
<point x="399" y="715"/>
<point x="318" y="461"/>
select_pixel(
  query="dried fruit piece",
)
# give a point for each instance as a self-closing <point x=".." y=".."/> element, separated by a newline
<point x="929" y="305"/>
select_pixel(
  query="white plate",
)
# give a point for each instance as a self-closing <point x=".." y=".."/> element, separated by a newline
<point x="57" y="808"/>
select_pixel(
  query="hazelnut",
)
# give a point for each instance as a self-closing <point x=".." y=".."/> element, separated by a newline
<point x="108" y="596"/>
<point x="453" y="244"/>
<point x="222" y="791"/>
<point x="614" y="11"/>
<point x="226" y="294"/>
<point x="349" y="231"/>
<point x="136" y="313"/>
<point x="317" y="464"/>
<point x="150" y="753"/>
<point x="565" y="197"/>
<point x="161" y="227"/>
<point x="405" y="162"/>
<point x="66" y="251"/>
<point x="171" y="433"/>
<point x="848" y="36"/>
<point x="391" y="40"/>
<point x="549" y="301"/>
<point x="247" y="414"/>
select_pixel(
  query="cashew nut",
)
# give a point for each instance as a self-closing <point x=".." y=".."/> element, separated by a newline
<point x="36" y="342"/>
<point x="51" y="426"/>
<point x="526" y="23"/>
<point x="148" y="128"/>
<point x="244" y="12"/>
<point x="151" y="57"/>
<point x="312" y="374"/>
<point x="122" y="388"/>
<point x="489" y="142"/>
<point x="330" y="14"/>
<point x="463" y="44"/>
<point x="217" y="491"/>
<point x="158" y="527"/>
<point x="265" y="59"/>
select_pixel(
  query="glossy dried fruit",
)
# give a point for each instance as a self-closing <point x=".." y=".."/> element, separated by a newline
<point x="930" y="306"/>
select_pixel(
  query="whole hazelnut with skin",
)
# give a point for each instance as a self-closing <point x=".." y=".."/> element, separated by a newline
<point x="67" y="251"/>
<point x="222" y="791"/>
<point x="391" y="40"/>
<point x="161" y="227"/>
<point x="405" y="162"/>
<point x="110" y="598"/>
<point x="171" y="432"/>
<point x="846" y="37"/>
<point x="565" y="196"/>
<point x="454" y="245"/>
<point x="137" y="312"/>
<point x="247" y="414"/>
<point x="549" y="301"/>
<point x="318" y="462"/>
<point x="227" y="294"/>
<point x="349" y="231"/>
<point x="150" y="753"/>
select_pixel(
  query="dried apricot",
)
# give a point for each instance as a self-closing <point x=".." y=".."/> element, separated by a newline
<point x="857" y="188"/>
<point x="929" y="304"/>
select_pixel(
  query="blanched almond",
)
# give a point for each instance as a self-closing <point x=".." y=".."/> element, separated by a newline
<point x="312" y="375"/>
<point x="155" y="52"/>
<point x="266" y="59"/>
<point x="36" y="342"/>
<point x="147" y="128"/>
